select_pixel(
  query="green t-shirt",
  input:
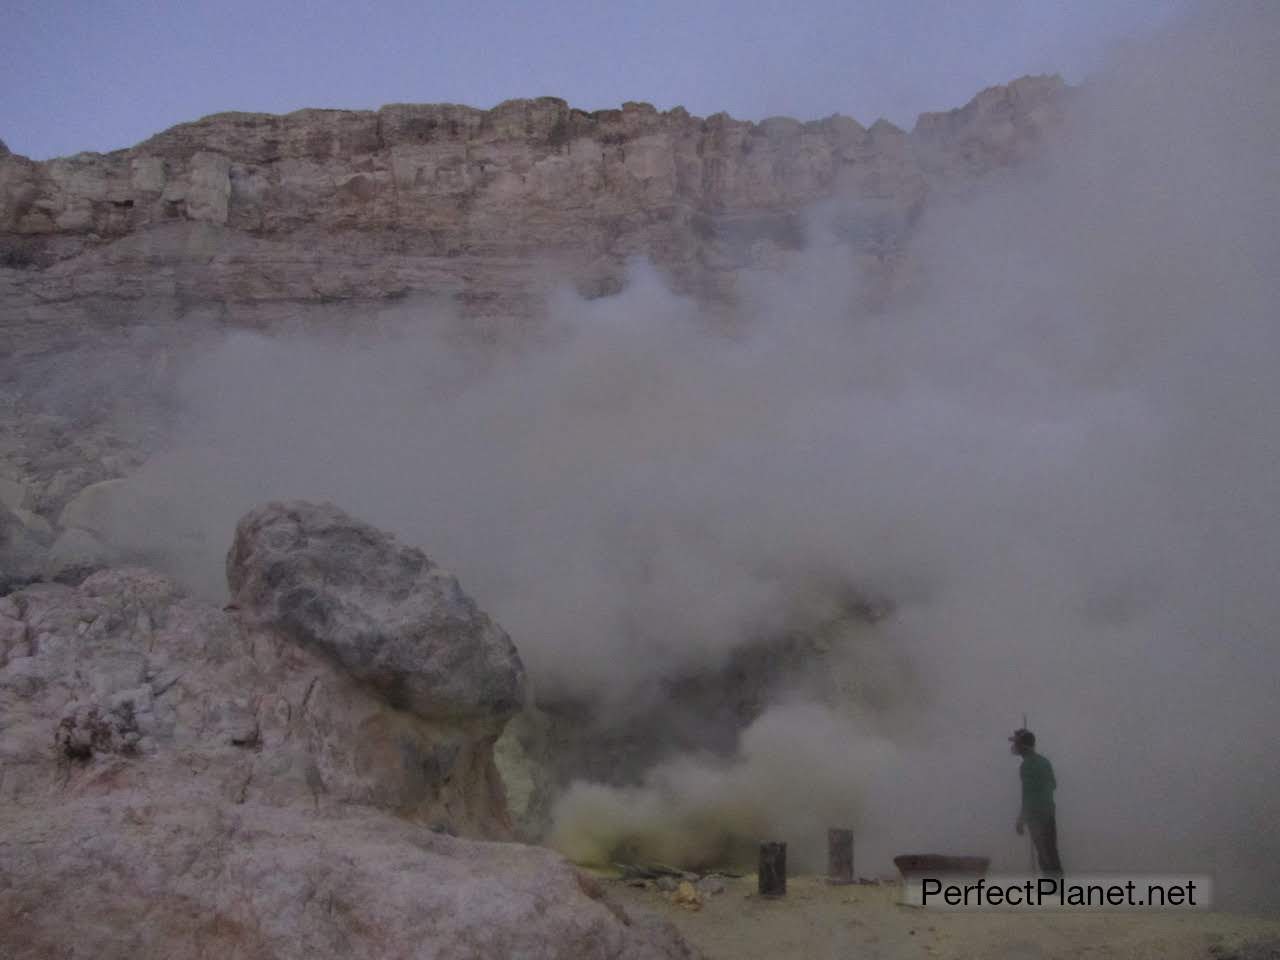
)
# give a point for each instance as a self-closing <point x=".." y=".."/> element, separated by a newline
<point x="1037" y="786"/>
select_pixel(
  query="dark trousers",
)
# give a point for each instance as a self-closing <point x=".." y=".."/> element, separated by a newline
<point x="1044" y="834"/>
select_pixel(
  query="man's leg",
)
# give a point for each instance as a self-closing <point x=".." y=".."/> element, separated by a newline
<point x="1044" y="834"/>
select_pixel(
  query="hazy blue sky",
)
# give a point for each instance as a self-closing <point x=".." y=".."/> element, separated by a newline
<point x="103" y="74"/>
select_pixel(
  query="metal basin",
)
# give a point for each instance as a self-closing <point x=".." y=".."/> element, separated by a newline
<point x="912" y="865"/>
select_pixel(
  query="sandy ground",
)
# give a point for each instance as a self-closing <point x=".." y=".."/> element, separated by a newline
<point x="816" y="921"/>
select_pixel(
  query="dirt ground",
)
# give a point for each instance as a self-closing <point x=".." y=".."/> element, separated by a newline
<point x="817" y="921"/>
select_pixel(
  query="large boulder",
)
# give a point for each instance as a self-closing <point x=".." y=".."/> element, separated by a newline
<point x="178" y="779"/>
<point x="381" y="610"/>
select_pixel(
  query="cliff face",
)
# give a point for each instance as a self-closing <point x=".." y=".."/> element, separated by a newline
<point x="465" y="202"/>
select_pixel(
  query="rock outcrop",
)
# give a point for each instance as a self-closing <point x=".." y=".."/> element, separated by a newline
<point x="241" y="209"/>
<point x="512" y="180"/>
<point x="1001" y="127"/>
<point x="178" y="779"/>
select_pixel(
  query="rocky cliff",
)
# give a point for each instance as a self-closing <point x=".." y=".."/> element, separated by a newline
<point x="249" y="209"/>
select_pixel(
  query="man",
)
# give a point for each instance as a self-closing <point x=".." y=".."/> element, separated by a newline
<point x="1037" y="814"/>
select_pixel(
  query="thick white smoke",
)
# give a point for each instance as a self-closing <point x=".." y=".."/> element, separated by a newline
<point x="1056" y="454"/>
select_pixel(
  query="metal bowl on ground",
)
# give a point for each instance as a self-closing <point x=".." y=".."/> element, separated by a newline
<point x="912" y="865"/>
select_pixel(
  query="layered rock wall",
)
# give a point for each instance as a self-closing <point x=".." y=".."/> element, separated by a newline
<point x="449" y="198"/>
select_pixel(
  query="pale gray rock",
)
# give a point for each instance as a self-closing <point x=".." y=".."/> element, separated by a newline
<point x="384" y="612"/>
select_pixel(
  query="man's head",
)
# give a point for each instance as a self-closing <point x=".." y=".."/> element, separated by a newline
<point x="1023" y="741"/>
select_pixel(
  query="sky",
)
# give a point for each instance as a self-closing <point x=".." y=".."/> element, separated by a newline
<point x="105" y="74"/>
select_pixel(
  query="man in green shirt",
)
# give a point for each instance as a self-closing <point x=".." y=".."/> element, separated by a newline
<point x="1037" y="813"/>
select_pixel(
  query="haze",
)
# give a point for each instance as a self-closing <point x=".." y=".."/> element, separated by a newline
<point x="1054" y="457"/>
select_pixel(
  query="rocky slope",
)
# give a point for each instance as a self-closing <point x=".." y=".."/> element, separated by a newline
<point x="284" y="778"/>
